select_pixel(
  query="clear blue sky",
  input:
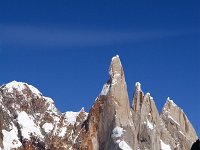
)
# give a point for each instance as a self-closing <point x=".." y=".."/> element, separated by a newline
<point x="64" y="48"/>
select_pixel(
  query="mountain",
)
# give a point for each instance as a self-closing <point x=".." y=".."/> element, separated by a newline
<point x="30" y="121"/>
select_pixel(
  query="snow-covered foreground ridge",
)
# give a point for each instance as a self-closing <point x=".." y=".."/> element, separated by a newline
<point x="29" y="120"/>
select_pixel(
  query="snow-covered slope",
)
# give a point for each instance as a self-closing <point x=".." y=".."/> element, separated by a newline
<point x="30" y="120"/>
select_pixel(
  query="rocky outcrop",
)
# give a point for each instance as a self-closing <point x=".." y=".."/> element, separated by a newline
<point x="110" y="113"/>
<point x="112" y="124"/>
<point x="30" y="121"/>
<point x="178" y="125"/>
<point x="150" y="129"/>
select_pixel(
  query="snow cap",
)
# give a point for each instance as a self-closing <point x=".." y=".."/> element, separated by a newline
<point x="148" y="95"/>
<point x="138" y="86"/>
<point x="169" y="100"/>
<point x="116" y="71"/>
<point x="20" y="86"/>
<point x="115" y="57"/>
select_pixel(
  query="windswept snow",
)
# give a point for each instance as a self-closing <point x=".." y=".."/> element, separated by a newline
<point x="149" y="95"/>
<point x="117" y="132"/>
<point x="28" y="126"/>
<point x="150" y="125"/>
<point x="20" y="86"/>
<point x="105" y="89"/>
<point x="10" y="139"/>
<point x="123" y="145"/>
<point x="114" y="81"/>
<point x="49" y="100"/>
<point x="138" y="85"/>
<point x="62" y="132"/>
<point x="117" y="56"/>
<point x="34" y="90"/>
<point x="71" y="117"/>
<point x="51" y="106"/>
<point x="15" y="85"/>
<point x="164" y="146"/>
<point x="48" y="127"/>
<point x="171" y="101"/>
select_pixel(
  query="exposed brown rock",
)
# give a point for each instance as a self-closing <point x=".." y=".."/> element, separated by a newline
<point x="20" y="98"/>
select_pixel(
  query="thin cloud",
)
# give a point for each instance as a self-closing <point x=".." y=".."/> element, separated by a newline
<point x="65" y="37"/>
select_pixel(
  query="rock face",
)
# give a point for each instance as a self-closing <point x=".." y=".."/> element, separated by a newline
<point x="150" y="130"/>
<point x="30" y="121"/>
<point x="110" y="115"/>
<point x="178" y="125"/>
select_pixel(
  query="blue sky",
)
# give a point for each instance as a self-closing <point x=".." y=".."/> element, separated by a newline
<point x="64" y="48"/>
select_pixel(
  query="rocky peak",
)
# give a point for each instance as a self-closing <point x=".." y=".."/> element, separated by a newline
<point x="115" y="67"/>
<point x="118" y="92"/>
<point x="110" y="112"/>
<point x="29" y="120"/>
<point x="137" y="97"/>
<point x="15" y="88"/>
<point x="146" y="120"/>
<point x="111" y="122"/>
<point x="138" y="86"/>
<point x="178" y="124"/>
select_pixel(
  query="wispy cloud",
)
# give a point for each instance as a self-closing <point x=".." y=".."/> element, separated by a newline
<point x="68" y="37"/>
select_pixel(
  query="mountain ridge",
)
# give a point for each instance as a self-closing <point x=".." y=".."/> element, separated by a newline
<point x="112" y="123"/>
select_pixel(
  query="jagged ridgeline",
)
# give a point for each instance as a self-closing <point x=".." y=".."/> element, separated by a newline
<point x="30" y="121"/>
